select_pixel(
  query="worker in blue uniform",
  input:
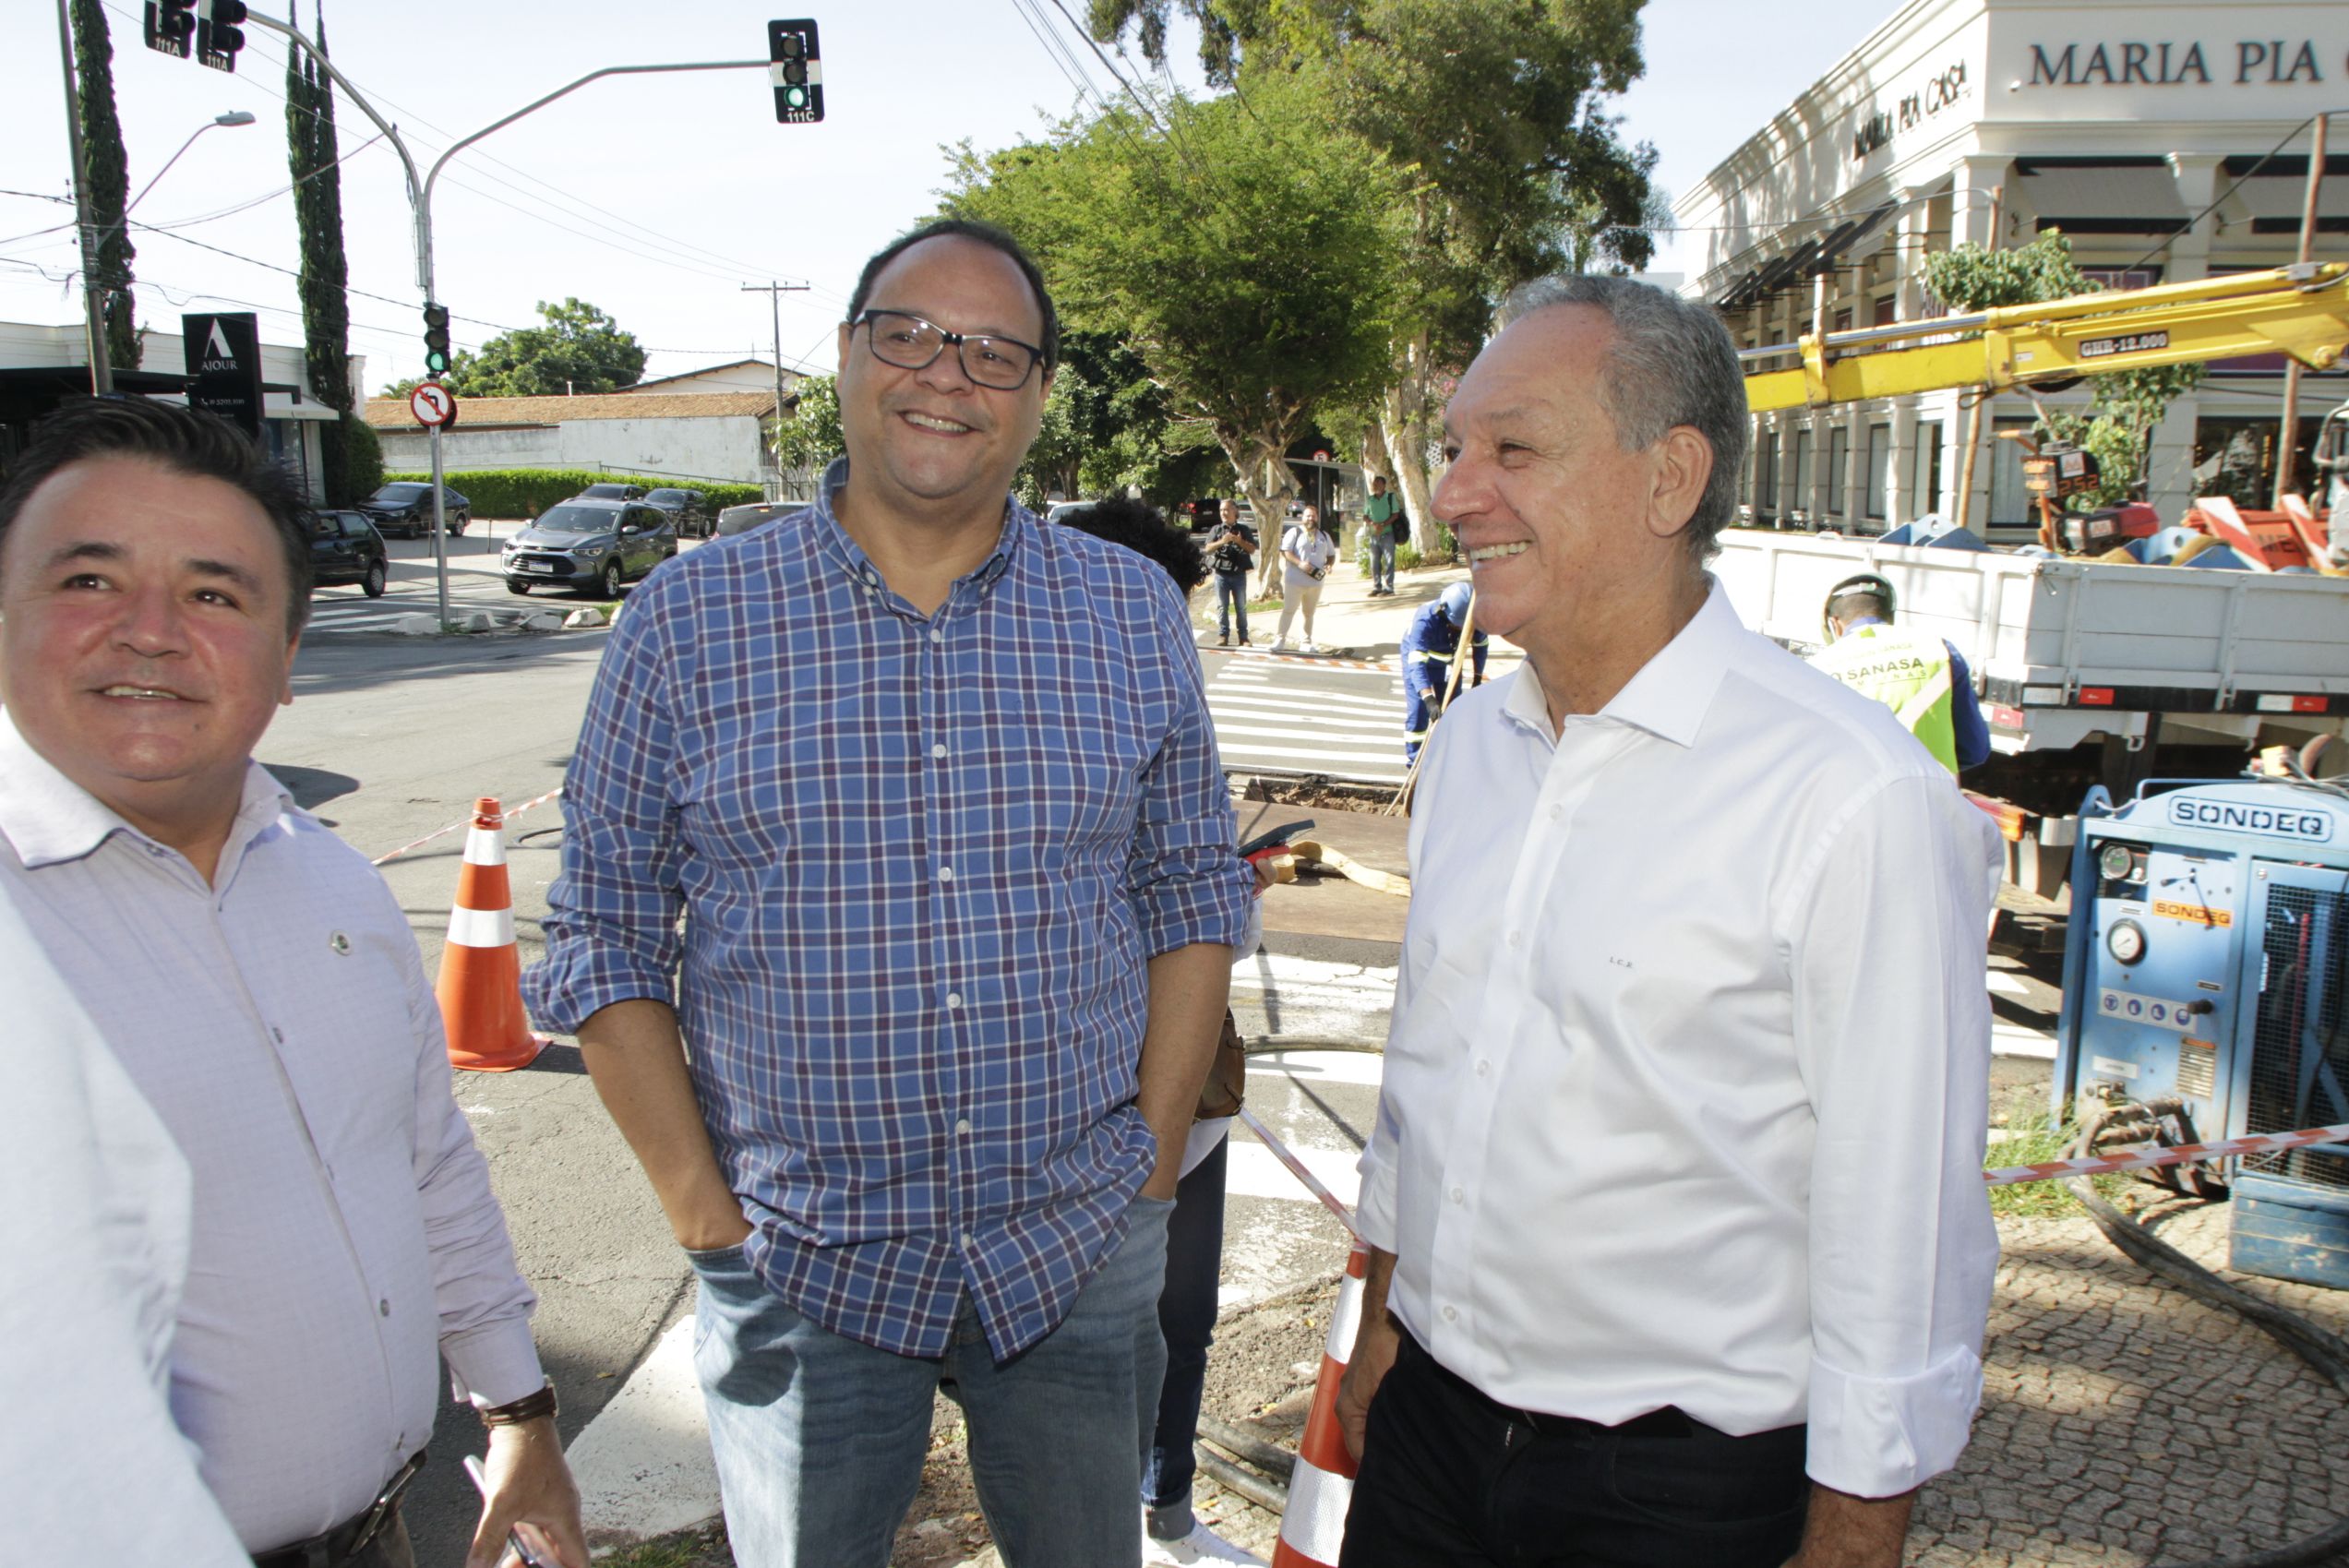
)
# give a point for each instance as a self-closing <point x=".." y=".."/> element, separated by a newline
<point x="1428" y="648"/>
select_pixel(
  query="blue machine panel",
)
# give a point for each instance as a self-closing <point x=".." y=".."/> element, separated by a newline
<point x="2208" y="964"/>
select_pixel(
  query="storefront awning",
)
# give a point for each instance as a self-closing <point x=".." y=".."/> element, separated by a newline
<point x="1822" y="250"/>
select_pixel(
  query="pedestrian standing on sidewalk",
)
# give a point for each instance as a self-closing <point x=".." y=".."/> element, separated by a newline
<point x="1681" y="1252"/>
<point x="1232" y="555"/>
<point x="1379" y="515"/>
<point x="1306" y="552"/>
<point x="1174" y="1535"/>
<point x="262" y="987"/>
<point x="957" y="917"/>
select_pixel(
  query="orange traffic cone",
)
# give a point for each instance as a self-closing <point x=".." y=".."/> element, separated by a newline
<point x="481" y="970"/>
<point x="1312" y="1527"/>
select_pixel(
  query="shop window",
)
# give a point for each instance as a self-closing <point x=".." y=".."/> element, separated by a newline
<point x="2237" y="458"/>
<point x="1765" y="475"/>
<point x="1879" y="469"/>
<point x="1838" y="468"/>
<point x="2010" y="505"/>
<point x="1926" y="466"/>
<point x="1804" y="501"/>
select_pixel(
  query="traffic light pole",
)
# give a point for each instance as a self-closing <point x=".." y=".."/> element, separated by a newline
<point x="420" y="202"/>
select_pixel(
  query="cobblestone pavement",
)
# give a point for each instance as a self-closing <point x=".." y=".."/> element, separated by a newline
<point x="2124" y="1424"/>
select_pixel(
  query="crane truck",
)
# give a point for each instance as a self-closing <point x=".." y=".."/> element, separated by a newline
<point x="2090" y="670"/>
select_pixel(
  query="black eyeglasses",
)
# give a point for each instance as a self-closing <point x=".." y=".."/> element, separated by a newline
<point x="902" y="339"/>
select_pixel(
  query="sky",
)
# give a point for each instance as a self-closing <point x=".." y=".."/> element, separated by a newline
<point x="657" y="197"/>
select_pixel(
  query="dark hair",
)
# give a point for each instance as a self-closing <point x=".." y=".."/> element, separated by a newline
<point x="984" y="233"/>
<point x="1672" y="363"/>
<point x="185" y="440"/>
<point x="1140" y="527"/>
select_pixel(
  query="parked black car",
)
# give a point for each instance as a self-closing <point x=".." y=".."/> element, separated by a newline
<point x="753" y="514"/>
<point x="591" y="544"/>
<point x="345" y="547"/>
<point x="611" y="493"/>
<point x="404" y="506"/>
<point x="689" y="509"/>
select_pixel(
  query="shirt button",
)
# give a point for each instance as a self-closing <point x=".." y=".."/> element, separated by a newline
<point x="1516" y="939"/>
<point x="968" y="1242"/>
<point x="1556" y="812"/>
<point x="1484" y="1070"/>
<point x="939" y="750"/>
<point x="946" y="873"/>
<point x="1460" y="1195"/>
<point x="954" y="999"/>
<point x="383" y="1308"/>
<point x="963" y="1125"/>
<point x="1451" y="1315"/>
<point x="936" y="634"/>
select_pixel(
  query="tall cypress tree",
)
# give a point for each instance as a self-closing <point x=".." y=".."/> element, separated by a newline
<point x="108" y="177"/>
<point x="312" y="155"/>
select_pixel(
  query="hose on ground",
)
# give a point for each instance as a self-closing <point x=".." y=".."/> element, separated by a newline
<point x="2320" y="1349"/>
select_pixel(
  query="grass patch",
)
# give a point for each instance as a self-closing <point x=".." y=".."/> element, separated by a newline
<point x="691" y="1549"/>
<point x="2035" y="1137"/>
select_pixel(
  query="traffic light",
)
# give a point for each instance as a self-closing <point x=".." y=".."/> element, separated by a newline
<point x="436" y="340"/>
<point x="796" y="71"/>
<point x="171" y="27"/>
<point x="221" y="33"/>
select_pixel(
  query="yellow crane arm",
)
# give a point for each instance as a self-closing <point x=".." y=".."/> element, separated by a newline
<point x="2301" y="311"/>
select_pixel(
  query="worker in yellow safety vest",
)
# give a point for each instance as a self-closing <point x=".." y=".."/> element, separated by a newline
<point x="1922" y="679"/>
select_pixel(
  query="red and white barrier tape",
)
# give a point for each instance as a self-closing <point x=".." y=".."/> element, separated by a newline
<point x="2180" y="1153"/>
<point x="1282" y="1153"/>
<point x="459" y="827"/>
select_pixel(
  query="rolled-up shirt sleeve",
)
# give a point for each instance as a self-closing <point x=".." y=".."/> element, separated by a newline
<point x="611" y="925"/>
<point x="1186" y="884"/>
<point x="1892" y="1024"/>
<point x="482" y="1301"/>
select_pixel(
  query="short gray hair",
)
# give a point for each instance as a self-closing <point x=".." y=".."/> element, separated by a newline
<point x="1671" y="364"/>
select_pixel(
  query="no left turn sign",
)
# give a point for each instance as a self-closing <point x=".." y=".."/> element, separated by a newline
<point x="433" y="404"/>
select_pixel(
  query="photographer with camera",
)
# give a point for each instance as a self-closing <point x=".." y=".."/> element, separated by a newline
<point x="1232" y="555"/>
<point x="1307" y="549"/>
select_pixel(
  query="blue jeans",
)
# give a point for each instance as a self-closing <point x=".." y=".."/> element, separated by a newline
<point x="1383" y="563"/>
<point x="819" y="1439"/>
<point x="1231" y="602"/>
<point x="1187" y="1319"/>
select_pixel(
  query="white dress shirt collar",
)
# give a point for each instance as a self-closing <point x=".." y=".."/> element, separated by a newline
<point x="49" y="819"/>
<point x="1669" y="695"/>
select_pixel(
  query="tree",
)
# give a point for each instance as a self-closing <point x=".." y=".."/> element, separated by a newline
<point x="314" y="161"/>
<point x="580" y="350"/>
<point x="810" y="439"/>
<point x="1494" y="111"/>
<point x="2123" y="407"/>
<point x="1245" y="252"/>
<point x="106" y="177"/>
<point x="1110" y="426"/>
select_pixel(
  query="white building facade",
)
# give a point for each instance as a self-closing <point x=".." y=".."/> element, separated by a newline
<point x="687" y="439"/>
<point x="1988" y="120"/>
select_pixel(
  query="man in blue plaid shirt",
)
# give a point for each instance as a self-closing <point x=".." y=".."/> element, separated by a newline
<point x="933" y="788"/>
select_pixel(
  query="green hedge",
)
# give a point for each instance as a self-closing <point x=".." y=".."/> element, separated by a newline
<point x="526" y="492"/>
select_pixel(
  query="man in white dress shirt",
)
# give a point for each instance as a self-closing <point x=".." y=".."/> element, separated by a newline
<point x="262" y="989"/>
<point x="1682" y="1251"/>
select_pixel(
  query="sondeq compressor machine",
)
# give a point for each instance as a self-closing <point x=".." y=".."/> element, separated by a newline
<point x="2206" y="996"/>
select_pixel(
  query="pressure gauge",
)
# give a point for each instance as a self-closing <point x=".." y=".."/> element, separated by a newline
<point x="2125" y="941"/>
<point x="2116" y="861"/>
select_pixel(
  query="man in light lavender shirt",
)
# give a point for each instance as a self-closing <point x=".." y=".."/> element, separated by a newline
<point x="261" y="989"/>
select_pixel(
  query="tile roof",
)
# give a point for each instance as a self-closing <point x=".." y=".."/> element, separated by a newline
<point x="392" y="413"/>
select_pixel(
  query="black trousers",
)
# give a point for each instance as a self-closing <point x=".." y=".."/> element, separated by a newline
<point x="1449" y="1477"/>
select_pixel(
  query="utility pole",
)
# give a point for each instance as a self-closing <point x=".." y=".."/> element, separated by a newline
<point x="2287" y="444"/>
<point x="93" y="293"/>
<point x="1973" y="411"/>
<point x="775" y="293"/>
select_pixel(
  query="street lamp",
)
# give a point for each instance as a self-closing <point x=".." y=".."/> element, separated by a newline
<point x="94" y="287"/>
<point x="234" y="117"/>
